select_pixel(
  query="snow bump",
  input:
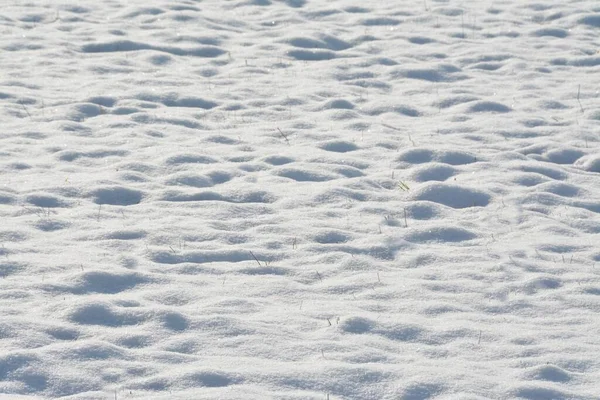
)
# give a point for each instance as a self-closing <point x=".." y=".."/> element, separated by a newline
<point x="450" y="195"/>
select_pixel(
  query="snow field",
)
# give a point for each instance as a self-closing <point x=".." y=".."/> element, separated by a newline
<point x="299" y="199"/>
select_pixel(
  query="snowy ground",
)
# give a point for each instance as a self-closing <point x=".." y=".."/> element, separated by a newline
<point x="300" y="199"/>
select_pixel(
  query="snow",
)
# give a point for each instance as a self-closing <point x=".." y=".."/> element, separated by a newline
<point x="300" y="199"/>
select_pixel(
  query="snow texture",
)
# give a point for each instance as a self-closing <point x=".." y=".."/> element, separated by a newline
<point x="300" y="199"/>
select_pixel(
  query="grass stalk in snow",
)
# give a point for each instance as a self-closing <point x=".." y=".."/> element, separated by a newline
<point x="579" y="101"/>
<point x="255" y="258"/>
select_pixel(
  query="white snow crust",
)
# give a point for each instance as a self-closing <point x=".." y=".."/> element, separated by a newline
<point x="300" y="199"/>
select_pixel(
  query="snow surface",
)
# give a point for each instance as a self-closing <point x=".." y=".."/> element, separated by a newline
<point x="300" y="199"/>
